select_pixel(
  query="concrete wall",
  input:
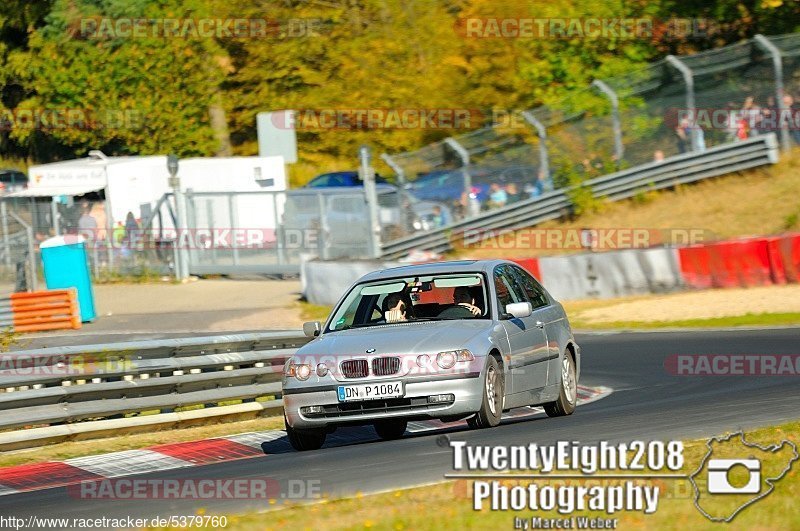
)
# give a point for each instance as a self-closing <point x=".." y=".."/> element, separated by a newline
<point x="325" y="282"/>
<point x="611" y="274"/>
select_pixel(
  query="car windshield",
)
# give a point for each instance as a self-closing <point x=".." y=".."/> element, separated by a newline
<point x="447" y="296"/>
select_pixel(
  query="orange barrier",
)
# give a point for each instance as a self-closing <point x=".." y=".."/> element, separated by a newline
<point x="742" y="263"/>
<point x="529" y="264"/>
<point x="784" y="257"/>
<point x="38" y="311"/>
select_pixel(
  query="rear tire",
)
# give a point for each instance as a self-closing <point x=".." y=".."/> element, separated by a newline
<point x="390" y="429"/>
<point x="304" y="440"/>
<point x="491" y="410"/>
<point x="568" y="390"/>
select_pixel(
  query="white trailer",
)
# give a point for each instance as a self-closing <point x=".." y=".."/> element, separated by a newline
<point x="136" y="184"/>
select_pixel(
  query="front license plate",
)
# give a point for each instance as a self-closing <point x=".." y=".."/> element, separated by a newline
<point x="370" y="391"/>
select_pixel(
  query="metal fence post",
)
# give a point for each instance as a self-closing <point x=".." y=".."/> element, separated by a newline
<point x="401" y="173"/>
<point x="322" y="240"/>
<point x="234" y="222"/>
<point x="688" y="79"/>
<point x="212" y="225"/>
<point x="180" y="215"/>
<point x="34" y="280"/>
<point x="279" y="241"/>
<point x="54" y="215"/>
<point x="541" y="132"/>
<point x="6" y="245"/>
<point x="34" y="284"/>
<point x="463" y="154"/>
<point x="367" y="173"/>
<point x="616" y="124"/>
<point x="777" y="62"/>
<point x="401" y="185"/>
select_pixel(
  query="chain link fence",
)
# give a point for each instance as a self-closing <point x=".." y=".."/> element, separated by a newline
<point x="17" y="253"/>
<point x="675" y="105"/>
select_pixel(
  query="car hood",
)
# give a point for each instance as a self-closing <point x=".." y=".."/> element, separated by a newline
<point x="404" y="338"/>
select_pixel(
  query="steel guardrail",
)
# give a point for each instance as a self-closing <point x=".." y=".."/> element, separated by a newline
<point x="680" y="169"/>
<point x="53" y="386"/>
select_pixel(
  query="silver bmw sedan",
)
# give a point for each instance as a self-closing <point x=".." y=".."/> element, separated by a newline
<point x="447" y="340"/>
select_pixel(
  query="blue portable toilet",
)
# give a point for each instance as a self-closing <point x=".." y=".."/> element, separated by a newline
<point x="66" y="266"/>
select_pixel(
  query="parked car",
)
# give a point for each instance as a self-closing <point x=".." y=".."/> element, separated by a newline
<point x="449" y="340"/>
<point x="12" y="181"/>
<point x="392" y="216"/>
<point x="447" y="186"/>
<point x="339" y="178"/>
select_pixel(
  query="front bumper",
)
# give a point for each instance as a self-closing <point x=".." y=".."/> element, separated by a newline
<point x="467" y="391"/>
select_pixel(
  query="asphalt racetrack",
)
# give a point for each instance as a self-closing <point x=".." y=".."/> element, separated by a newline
<point x="647" y="403"/>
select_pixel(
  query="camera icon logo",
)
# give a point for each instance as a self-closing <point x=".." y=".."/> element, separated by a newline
<point x="735" y="473"/>
<point x="719" y="476"/>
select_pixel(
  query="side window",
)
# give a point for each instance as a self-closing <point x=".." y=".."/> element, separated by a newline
<point x="507" y="291"/>
<point x="336" y="180"/>
<point x="534" y="293"/>
<point x="320" y="181"/>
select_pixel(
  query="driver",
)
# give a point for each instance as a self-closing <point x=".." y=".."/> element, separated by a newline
<point x="395" y="308"/>
<point x="464" y="305"/>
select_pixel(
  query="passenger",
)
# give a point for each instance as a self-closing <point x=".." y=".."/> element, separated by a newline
<point x="464" y="305"/>
<point x="394" y="308"/>
<point x="513" y="193"/>
<point x="497" y="197"/>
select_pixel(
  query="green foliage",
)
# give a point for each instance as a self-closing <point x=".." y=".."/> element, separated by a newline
<point x="154" y="94"/>
<point x="8" y="338"/>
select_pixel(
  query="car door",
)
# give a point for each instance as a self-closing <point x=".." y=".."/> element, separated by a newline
<point x="545" y="313"/>
<point x="527" y="340"/>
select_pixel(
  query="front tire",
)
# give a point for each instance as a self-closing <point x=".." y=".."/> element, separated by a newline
<point x="390" y="429"/>
<point x="568" y="393"/>
<point x="304" y="440"/>
<point x="491" y="410"/>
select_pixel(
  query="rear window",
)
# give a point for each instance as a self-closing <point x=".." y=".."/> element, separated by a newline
<point x="13" y="177"/>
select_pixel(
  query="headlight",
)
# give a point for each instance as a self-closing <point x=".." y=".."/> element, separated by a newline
<point x="423" y="360"/>
<point x="322" y="369"/>
<point x="449" y="358"/>
<point x="301" y="371"/>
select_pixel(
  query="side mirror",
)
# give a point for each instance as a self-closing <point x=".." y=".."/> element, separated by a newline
<point x="312" y="328"/>
<point x="519" y="309"/>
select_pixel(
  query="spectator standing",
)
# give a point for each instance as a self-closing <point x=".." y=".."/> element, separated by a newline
<point x="751" y="114"/>
<point x="682" y="136"/>
<point x="793" y="118"/>
<point x="732" y="123"/>
<point x="87" y="224"/>
<point x="769" y="117"/>
<point x="131" y="230"/>
<point x="513" y="193"/>
<point x="118" y="235"/>
<point x="438" y="217"/>
<point x="497" y="196"/>
<point x="698" y="137"/>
